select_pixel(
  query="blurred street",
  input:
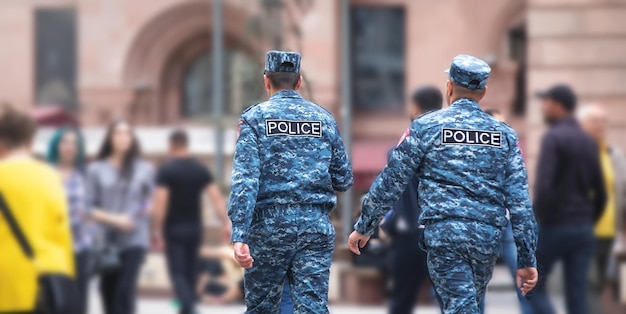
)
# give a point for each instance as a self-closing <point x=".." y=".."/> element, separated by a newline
<point x="498" y="303"/>
<point x="500" y="300"/>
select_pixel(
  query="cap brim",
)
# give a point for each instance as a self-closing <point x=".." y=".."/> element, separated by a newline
<point x="446" y="71"/>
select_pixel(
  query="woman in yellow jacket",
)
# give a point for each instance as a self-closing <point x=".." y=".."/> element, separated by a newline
<point x="34" y="194"/>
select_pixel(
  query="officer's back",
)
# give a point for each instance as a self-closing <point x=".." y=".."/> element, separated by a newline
<point x="464" y="165"/>
<point x="297" y="139"/>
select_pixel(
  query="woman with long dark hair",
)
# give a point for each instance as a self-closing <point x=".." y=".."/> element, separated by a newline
<point x="119" y="186"/>
<point x="66" y="153"/>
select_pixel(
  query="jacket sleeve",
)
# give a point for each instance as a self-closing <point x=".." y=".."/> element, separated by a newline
<point x="340" y="167"/>
<point x="545" y="186"/>
<point x="392" y="181"/>
<point x="599" y="189"/>
<point x="244" y="184"/>
<point x="517" y="201"/>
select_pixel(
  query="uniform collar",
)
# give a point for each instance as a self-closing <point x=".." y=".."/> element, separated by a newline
<point x="287" y="93"/>
<point x="466" y="103"/>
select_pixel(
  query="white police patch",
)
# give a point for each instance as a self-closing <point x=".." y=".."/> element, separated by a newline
<point x="293" y="128"/>
<point x="471" y="137"/>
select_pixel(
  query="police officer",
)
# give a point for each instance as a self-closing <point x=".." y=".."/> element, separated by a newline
<point x="470" y="171"/>
<point x="289" y="161"/>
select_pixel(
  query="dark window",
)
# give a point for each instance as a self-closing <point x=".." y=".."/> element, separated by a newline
<point x="517" y="48"/>
<point x="55" y="43"/>
<point x="243" y="84"/>
<point x="378" y="57"/>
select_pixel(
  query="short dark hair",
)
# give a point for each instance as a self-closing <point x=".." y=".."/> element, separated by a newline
<point x="561" y="94"/>
<point x="492" y="112"/>
<point x="16" y="128"/>
<point x="427" y="98"/>
<point x="283" y="80"/>
<point x="179" y="138"/>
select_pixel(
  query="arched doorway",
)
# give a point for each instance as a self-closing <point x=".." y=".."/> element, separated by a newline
<point x="187" y="82"/>
<point x="168" y="65"/>
<point x="243" y="84"/>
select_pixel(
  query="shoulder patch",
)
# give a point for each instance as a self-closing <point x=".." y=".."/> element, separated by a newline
<point x="276" y="127"/>
<point x="451" y="136"/>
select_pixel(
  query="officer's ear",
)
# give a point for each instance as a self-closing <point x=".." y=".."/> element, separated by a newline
<point x="449" y="88"/>
<point x="482" y="95"/>
<point x="299" y="83"/>
<point x="266" y="82"/>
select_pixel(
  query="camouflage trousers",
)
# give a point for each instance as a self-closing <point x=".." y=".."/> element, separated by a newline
<point x="461" y="258"/>
<point x="295" y="242"/>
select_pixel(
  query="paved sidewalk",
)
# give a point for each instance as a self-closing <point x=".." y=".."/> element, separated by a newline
<point x="500" y="300"/>
<point x="497" y="303"/>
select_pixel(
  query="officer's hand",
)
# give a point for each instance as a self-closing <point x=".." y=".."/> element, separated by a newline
<point x="356" y="242"/>
<point x="527" y="279"/>
<point x="242" y="255"/>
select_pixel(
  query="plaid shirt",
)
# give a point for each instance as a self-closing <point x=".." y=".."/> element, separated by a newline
<point x="82" y="229"/>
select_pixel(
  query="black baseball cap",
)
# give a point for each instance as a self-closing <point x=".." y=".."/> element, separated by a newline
<point x="561" y="94"/>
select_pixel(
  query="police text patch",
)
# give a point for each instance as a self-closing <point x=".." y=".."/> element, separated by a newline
<point x="293" y="128"/>
<point x="471" y="137"/>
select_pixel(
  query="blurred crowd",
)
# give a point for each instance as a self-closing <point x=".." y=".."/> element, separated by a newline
<point x="83" y="217"/>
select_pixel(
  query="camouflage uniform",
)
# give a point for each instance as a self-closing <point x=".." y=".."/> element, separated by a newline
<point x="289" y="161"/>
<point x="471" y="170"/>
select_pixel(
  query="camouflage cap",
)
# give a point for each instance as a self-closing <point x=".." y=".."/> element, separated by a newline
<point x="282" y="61"/>
<point x="469" y="72"/>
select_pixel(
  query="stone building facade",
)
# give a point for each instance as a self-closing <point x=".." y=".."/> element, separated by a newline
<point x="149" y="60"/>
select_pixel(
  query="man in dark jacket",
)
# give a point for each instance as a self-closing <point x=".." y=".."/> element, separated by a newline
<point x="569" y="199"/>
<point x="408" y="262"/>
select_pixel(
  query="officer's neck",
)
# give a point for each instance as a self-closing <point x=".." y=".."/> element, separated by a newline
<point x="455" y="98"/>
<point x="273" y="91"/>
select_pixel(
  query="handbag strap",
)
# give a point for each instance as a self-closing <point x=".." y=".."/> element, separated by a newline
<point x="15" y="228"/>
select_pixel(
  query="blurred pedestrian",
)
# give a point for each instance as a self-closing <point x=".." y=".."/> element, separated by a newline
<point x="119" y="187"/>
<point x="181" y="182"/>
<point x="508" y="252"/>
<point x="289" y="161"/>
<point x="32" y="194"/>
<point x="408" y="262"/>
<point x="594" y="120"/>
<point x="66" y="152"/>
<point x="569" y="199"/>
<point x="470" y="171"/>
